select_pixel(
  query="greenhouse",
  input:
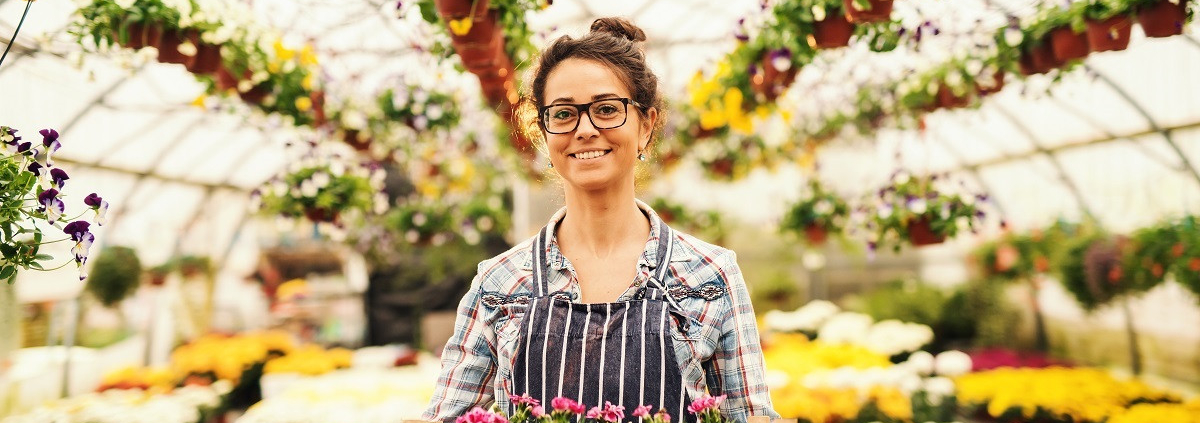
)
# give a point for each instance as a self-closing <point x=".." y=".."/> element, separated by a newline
<point x="817" y="211"/>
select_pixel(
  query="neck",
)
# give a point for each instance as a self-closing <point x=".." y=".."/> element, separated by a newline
<point x="600" y="223"/>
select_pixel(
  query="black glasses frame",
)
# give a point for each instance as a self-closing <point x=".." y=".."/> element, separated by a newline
<point x="584" y="109"/>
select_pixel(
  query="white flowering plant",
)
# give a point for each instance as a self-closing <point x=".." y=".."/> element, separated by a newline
<point x="420" y="108"/>
<point x="807" y="319"/>
<point x="911" y="209"/>
<point x="320" y="192"/>
<point x="817" y="213"/>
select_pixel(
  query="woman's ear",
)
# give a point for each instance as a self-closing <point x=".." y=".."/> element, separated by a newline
<point x="646" y="129"/>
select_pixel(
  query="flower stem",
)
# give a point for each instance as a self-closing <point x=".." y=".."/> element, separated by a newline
<point x="60" y="267"/>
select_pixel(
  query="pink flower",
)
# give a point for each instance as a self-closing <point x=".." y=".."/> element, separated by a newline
<point x="594" y="413"/>
<point x="612" y="413"/>
<point x="479" y="415"/>
<point x="643" y="411"/>
<point x="566" y="404"/>
<point x="538" y="411"/>
<point x="663" y="416"/>
<point x="524" y="399"/>
<point x="704" y="403"/>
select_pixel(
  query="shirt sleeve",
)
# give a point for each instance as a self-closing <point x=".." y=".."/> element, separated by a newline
<point x="468" y="362"/>
<point x="737" y="369"/>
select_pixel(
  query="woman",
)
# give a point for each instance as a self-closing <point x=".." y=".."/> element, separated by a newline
<point x="606" y="303"/>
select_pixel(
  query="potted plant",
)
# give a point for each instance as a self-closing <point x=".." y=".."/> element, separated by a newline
<point x="868" y="10"/>
<point x="912" y="209"/>
<point x="157" y="275"/>
<point x="318" y="193"/>
<point x="1108" y="24"/>
<point x="421" y="222"/>
<point x="778" y="72"/>
<point x="1162" y="18"/>
<point x="830" y="26"/>
<point x="817" y="213"/>
<point x="1186" y="255"/>
<point x="115" y="275"/>
<point x="421" y="108"/>
<point x="1068" y="36"/>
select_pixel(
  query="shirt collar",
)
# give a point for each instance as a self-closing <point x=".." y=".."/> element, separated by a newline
<point x="649" y="258"/>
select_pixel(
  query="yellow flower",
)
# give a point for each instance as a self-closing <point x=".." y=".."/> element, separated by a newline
<point x="309" y="81"/>
<point x="307" y="56"/>
<point x="282" y="52"/>
<point x="199" y="101"/>
<point x="304" y="104"/>
<point x="461" y="27"/>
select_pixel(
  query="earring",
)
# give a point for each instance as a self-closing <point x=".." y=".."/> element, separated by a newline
<point x="550" y="165"/>
<point x="641" y="156"/>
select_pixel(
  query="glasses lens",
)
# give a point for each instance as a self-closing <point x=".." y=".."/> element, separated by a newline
<point x="561" y="119"/>
<point x="607" y="114"/>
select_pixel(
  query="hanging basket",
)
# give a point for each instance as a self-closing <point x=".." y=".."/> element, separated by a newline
<point x="321" y="214"/>
<point x="773" y="81"/>
<point x="254" y="95"/>
<point x="920" y="233"/>
<point x="997" y="85"/>
<point x="1068" y="45"/>
<point x="833" y="32"/>
<point x="356" y="139"/>
<point x="454" y="9"/>
<point x="208" y="57"/>
<point x="1039" y="59"/>
<point x="483" y="30"/>
<point x="1111" y="34"/>
<point x="480" y="57"/>
<point x="168" y="48"/>
<point x="816" y="235"/>
<point x="1163" y="19"/>
<point x="140" y="36"/>
<point x="880" y="11"/>
<point x="225" y="79"/>
<point x="946" y="98"/>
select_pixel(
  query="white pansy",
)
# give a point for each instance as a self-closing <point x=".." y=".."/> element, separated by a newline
<point x="921" y="362"/>
<point x="917" y="205"/>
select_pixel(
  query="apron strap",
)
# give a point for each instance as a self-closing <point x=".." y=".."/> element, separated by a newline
<point x="541" y="265"/>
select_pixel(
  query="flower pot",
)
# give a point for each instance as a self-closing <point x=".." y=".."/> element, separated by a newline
<point x="207" y="60"/>
<point x="1111" y="34"/>
<point x="833" y="32"/>
<point x="816" y="235"/>
<point x="880" y="11"/>
<point x="318" y="100"/>
<point x="1163" y="19"/>
<point x="1068" y="45"/>
<point x="356" y="139"/>
<point x="946" y="98"/>
<point x="225" y="79"/>
<point x="140" y="36"/>
<point x="454" y="9"/>
<point x="1039" y="59"/>
<point x="321" y="214"/>
<point x="168" y="48"/>
<point x="772" y="82"/>
<point x="479" y="57"/>
<point x="254" y="95"/>
<point x="997" y="85"/>
<point x="920" y="233"/>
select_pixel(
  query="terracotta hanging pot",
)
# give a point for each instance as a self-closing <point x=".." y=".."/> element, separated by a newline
<point x="454" y="9"/>
<point x="356" y="140"/>
<point x="880" y="11"/>
<point x="1039" y="59"/>
<point x="478" y="57"/>
<point x="816" y="235"/>
<point x="139" y="36"/>
<point x="946" y="98"/>
<point x="771" y="82"/>
<point x="1068" y="44"/>
<point x="1163" y="19"/>
<point x="168" y="48"/>
<point x="318" y="100"/>
<point x="997" y="85"/>
<point x="321" y="214"/>
<point x="920" y="233"/>
<point x="482" y="31"/>
<point x="254" y="95"/>
<point x="833" y="32"/>
<point x="208" y="57"/>
<point x="1111" y="34"/>
<point x="225" y="79"/>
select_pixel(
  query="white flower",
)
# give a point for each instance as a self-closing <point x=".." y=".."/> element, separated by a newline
<point x="412" y="236"/>
<point x="917" y="206"/>
<point x="320" y="179"/>
<point x="1013" y="36"/>
<point x="434" y="112"/>
<point x="485" y="223"/>
<point x="308" y="188"/>
<point x="884" y="211"/>
<point x="920" y="362"/>
<point x="419" y="219"/>
<point x="845" y="328"/>
<point x="823" y="207"/>
<point x="126" y="4"/>
<point x="953" y="363"/>
<point x="818" y="12"/>
<point x="937" y="388"/>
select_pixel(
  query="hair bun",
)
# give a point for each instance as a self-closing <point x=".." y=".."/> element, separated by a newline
<point x="620" y="28"/>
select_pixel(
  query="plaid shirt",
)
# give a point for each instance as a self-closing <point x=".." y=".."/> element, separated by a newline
<point x="719" y="353"/>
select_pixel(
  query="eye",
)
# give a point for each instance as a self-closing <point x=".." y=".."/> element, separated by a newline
<point x="562" y="114"/>
<point x="606" y="110"/>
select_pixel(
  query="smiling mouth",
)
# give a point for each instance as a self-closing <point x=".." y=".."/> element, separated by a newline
<point x="589" y="155"/>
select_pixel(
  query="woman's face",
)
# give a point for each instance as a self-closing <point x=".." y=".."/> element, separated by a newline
<point x="587" y="157"/>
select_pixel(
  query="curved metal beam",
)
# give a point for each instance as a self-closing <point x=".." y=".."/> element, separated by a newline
<point x="100" y="98"/>
<point x="1154" y="125"/>
<point x="1113" y="136"/>
<point x="1062" y="174"/>
<point x="119" y="207"/>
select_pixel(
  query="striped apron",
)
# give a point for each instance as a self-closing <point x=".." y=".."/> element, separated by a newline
<point x="619" y="352"/>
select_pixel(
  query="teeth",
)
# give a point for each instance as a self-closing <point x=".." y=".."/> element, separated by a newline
<point x="590" y="154"/>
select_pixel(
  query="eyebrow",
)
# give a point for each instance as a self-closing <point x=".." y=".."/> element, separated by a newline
<point x="595" y="97"/>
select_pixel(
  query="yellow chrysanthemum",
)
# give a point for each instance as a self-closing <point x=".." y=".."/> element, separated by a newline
<point x="304" y="104"/>
<point x="308" y="57"/>
<point x="282" y="52"/>
<point x="309" y="81"/>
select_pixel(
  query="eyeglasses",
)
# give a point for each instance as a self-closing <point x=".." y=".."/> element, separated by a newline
<point x="608" y="113"/>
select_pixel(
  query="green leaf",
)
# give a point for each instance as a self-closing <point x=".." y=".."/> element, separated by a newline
<point x="7" y="271"/>
<point x="428" y="12"/>
<point x="42" y="257"/>
<point x="36" y="265"/>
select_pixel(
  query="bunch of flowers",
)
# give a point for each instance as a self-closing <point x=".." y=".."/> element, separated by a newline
<point x="31" y="192"/>
<point x="322" y="190"/>
<point x="310" y="360"/>
<point x="807" y="319"/>
<point x="218" y="357"/>
<point x="817" y="213"/>
<point x="421" y="109"/>
<point x="707" y="409"/>
<point x="988" y="359"/>
<point x="1054" y="394"/>
<point x="157" y="379"/>
<point x="1161" y="413"/>
<point x="913" y="209"/>
<point x="187" y="404"/>
<point x="891" y="338"/>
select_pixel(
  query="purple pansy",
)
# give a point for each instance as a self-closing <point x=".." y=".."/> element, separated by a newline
<point x="58" y="177"/>
<point x="79" y="232"/>
<point x="99" y="205"/>
<point x="50" y="141"/>
<point x="51" y="204"/>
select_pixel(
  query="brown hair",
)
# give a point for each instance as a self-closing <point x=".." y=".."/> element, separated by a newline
<point x="613" y="42"/>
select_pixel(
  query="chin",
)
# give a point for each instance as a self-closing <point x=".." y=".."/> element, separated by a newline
<point x="594" y="179"/>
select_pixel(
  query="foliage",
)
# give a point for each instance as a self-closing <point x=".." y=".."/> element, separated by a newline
<point x="115" y="275"/>
<point x="1186" y="266"/>
<point x="1092" y="270"/>
<point x="816" y="208"/>
<point x="911" y="199"/>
